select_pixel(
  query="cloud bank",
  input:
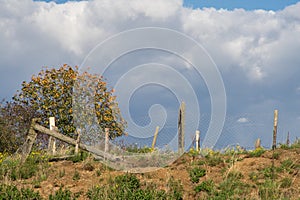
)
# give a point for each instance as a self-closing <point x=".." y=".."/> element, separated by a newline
<point x="257" y="52"/>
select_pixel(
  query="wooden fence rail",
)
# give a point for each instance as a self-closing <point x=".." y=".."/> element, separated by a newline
<point x="26" y="149"/>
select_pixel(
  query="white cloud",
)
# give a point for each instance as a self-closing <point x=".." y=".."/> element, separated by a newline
<point x="243" y="120"/>
<point x="257" y="52"/>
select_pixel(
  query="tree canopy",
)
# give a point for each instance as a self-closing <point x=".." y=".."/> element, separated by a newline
<point x="50" y="93"/>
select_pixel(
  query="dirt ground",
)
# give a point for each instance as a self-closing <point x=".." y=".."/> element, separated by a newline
<point x="93" y="173"/>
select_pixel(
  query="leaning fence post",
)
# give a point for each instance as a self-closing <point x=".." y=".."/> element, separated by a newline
<point x="106" y="147"/>
<point x="275" y="128"/>
<point x="27" y="146"/>
<point x="155" y="137"/>
<point x="52" y="141"/>
<point x="197" y="140"/>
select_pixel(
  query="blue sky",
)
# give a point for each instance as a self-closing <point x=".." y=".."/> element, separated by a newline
<point x="230" y="4"/>
<point x="246" y="4"/>
<point x="256" y="52"/>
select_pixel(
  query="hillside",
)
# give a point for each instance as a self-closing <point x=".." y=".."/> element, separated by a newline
<point x="233" y="174"/>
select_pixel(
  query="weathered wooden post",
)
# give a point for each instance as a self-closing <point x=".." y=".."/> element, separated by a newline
<point x="77" y="142"/>
<point x="275" y="128"/>
<point x="288" y="139"/>
<point x="257" y="143"/>
<point x="27" y="146"/>
<point x="155" y="137"/>
<point x="106" y="147"/>
<point x="181" y="121"/>
<point x="197" y="140"/>
<point x="52" y="141"/>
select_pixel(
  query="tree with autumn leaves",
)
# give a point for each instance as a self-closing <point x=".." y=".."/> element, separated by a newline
<point x="51" y="94"/>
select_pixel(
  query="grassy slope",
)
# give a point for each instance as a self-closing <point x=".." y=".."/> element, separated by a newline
<point x="230" y="175"/>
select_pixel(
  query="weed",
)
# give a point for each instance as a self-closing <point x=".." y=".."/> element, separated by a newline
<point x="98" y="172"/>
<point x="175" y="189"/>
<point x="13" y="193"/>
<point x="205" y="186"/>
<point x="62" y="195"/>
<point x="61" y="173"/>
<point x="76" y="176"/>
<point x="81" y="156"/>
<point x="128" y="187"/>
<point x="276" y="155"/>
<point x="257" y="152"/>
<point x="286" y="182"/>
<point x="213" y="160"/>
<point x="253" y="176"/>
<point x="196" y="173"/>
<point x="269" y="190"/>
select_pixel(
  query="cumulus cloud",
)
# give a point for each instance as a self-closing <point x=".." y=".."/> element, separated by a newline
<point x="257" y="52"/>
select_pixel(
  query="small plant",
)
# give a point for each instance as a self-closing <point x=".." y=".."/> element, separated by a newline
<point x="276" y="155"/>
<point x="205" y="186"/>
<point x="235" y="175"/>
<point x="81" y="156"/>
<point x="193" y="152"/>
<point x="253" y="176"/>
<point x="175" y="189"/>
<point x="288" y="165"/>
<point x="284" y="146"/>
<point x="269" y="172"/>
<point x="257" y="152"/>
<point x="296" y="144"/>
<point x="213" y="159"/>
<point x="76" y="176"/>
<point x="286" y="182"/>
<point x="269" y="190"/>
<point x="196" y="173"/>
<point x="98" y="172"/>
<point x="61" y="173"/>
<point x="61" y="195"/>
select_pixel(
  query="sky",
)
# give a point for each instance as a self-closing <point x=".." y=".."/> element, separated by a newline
<point x="255" y="46"/>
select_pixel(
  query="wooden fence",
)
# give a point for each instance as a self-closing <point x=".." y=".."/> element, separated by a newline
<point x="54" y="134"/>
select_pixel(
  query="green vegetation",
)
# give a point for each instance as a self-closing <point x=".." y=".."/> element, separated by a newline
<point x="127" y="186"/>
<point x="13" y="193"/>
<point x="257" y="152"/>
<point x="196" y="173"/>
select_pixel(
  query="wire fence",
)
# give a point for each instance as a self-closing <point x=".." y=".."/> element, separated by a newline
<point x="242" y="130"/>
